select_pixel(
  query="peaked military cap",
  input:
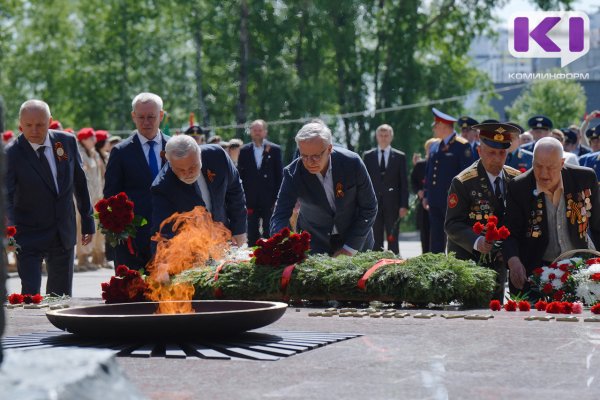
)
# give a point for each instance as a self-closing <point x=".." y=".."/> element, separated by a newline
<point x="496" y="135"/>
<point x="540" y="122"/>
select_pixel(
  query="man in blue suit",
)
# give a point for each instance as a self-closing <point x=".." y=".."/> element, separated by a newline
<point x="132" y="167"/>
<point x="199" y="176"/>
<point x="44" y="172"/>
<point x="447" y="158"/>
<point x="337" y="201"/>
<point x="260" y="166"/>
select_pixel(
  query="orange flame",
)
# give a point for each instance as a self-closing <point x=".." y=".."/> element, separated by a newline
<point x="197" y="238"/>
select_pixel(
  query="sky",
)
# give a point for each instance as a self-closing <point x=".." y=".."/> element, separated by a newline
<point x="587" y="6"/>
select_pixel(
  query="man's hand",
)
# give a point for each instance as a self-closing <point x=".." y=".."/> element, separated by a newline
<point x="517" y="272"/>
<point x="86" y="238"/>
<point x="10" y="248"/>
<point x="425" y="203"/>
<point x="421" y="194"/>
<point x="403" y="212"/>
<point x="341" y="252"/>
<point x="483" y="246"/>
<point x="591" y="116"/>
<point x="239" y="240"/>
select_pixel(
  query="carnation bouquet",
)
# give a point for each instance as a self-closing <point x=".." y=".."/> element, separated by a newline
<point x="127" y="285"/>
<point x="494" y="235"/>
<point x="283" y="248"/>
<point x="555" y="282"/>
<point x="587" y="282"/>
<point x="117" y="221"/>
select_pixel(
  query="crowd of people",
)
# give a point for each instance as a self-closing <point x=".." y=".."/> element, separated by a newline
<point x="528" y="180"/>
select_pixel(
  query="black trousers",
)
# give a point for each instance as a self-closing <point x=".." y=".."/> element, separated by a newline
<point x="59" y="264"/>
<point x="437" y="241"/>
<point x="260" y="218"/>
<point x="383" y="226"/>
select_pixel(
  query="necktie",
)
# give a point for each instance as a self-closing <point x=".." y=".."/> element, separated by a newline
<point x="499" y="196"/>
<point x="382" y="162"/>
<point x="45" y="165"/>
<point x="152" y="162"/>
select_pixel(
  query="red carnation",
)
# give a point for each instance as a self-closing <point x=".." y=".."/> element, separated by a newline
<point x="478" y="228"/>
<point x="15" y="298"/>
<point x="121" y="270"/>
<point x="491" y="233"/>
<point x="495" y="305"/>
<point x="285" y="232"/>
<point x="595" y="308"/>
<point x="521" y="170"/>
<point x="554" y="308"/>
<point x="564" y="267"/>
<point x="524" y="305"/>
<point x="547" y="288"/>
<point x="391" y="238"/>
<point x="567" y="308"/>
<point x="552" y="276"/>
<point x="565" y="276"/>
<point x="558" y="295"/>
<point x="492" y="219"/>
<point x="249" y="211"/>
<point x="595" y="277"/>
<point x="593" y="261"/>
<point x="541" y="305"/>
<point x="11" y="231"/>
<point x="510" y="305"/>
<point x="37" y="299"/>
<point x="538" y="271"/>
<point x="503" y="232"/>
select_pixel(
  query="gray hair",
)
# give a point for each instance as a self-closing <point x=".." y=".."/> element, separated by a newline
<point x="180" y="146"/>
<point x="147" y="97"/>
<point x="386" y="128"/>
<point x="314" y="130"/>
<point x="548" y="144"/>
<point x="35" y="105"/>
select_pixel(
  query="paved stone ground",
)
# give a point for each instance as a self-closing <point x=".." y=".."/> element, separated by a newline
<point x="502" y="358"/>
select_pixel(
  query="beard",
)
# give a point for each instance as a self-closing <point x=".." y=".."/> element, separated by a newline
<point x="189" y="181"/>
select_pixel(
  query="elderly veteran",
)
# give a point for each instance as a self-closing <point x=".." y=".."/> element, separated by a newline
<point x="550" y="209"/>
<point x="479" y="192"/>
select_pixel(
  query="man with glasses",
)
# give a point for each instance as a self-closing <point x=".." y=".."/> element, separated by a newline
<point x="132" y="167"/>
<point x="337" y="202"/>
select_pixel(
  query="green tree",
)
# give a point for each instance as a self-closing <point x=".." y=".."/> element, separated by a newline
<point x="562" y="101"/>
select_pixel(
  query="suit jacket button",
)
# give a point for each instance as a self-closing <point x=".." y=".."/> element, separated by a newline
<point x="265" y="175"/>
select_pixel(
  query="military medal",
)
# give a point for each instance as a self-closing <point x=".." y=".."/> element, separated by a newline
<point x="61" y="154"/>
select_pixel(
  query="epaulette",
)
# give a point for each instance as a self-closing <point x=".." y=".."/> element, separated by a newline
<point x="468" y="173"/>
<point x="461" y="139"/>
<point x="510" y="171"/>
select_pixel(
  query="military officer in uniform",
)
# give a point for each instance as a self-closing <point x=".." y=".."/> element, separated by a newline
<point x="541" y="126"/>
<point x="479" y="192"/>
<point x="447" y="159"/>
<point x="197" y="133"/>
<point x="517" y="157"/>
<point x="592" y="160"/>
<point x="472" y="135"/>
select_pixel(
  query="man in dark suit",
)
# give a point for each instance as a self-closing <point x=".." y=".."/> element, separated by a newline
<point x="337" y="202"/>
<point x="447" y="159"/>
<point x="260" y="166"/>
<point x="552" y="208"/>
<point x="199" y="176"/>
<point x="468" y="132"/>
<point x="44" y="172"/>
<point x="387" y="169"/>
<point x="477" y="193"/>
<point x="132" y="167"/>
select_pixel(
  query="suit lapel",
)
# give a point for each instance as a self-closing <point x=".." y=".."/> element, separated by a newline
<point x="163" y="159"/>
<point x="33" y="159"/>
<point x="337" y="174"/>
<point x="61" y="166"/>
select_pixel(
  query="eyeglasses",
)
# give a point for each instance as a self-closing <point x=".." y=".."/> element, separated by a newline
<point x="315" y="157"/>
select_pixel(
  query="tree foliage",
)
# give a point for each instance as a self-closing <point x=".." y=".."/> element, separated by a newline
<point x="562" y="101"/>
<point x="232" y="61"/>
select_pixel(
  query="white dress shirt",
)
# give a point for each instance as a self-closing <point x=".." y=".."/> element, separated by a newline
<point x="48" y="152"/>
<point x="157" y="147"/>
<point x="386" y="155"/>
<point x="258" y="154"/>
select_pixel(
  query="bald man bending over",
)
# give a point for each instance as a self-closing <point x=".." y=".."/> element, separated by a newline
<point x="551" y="208"/>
